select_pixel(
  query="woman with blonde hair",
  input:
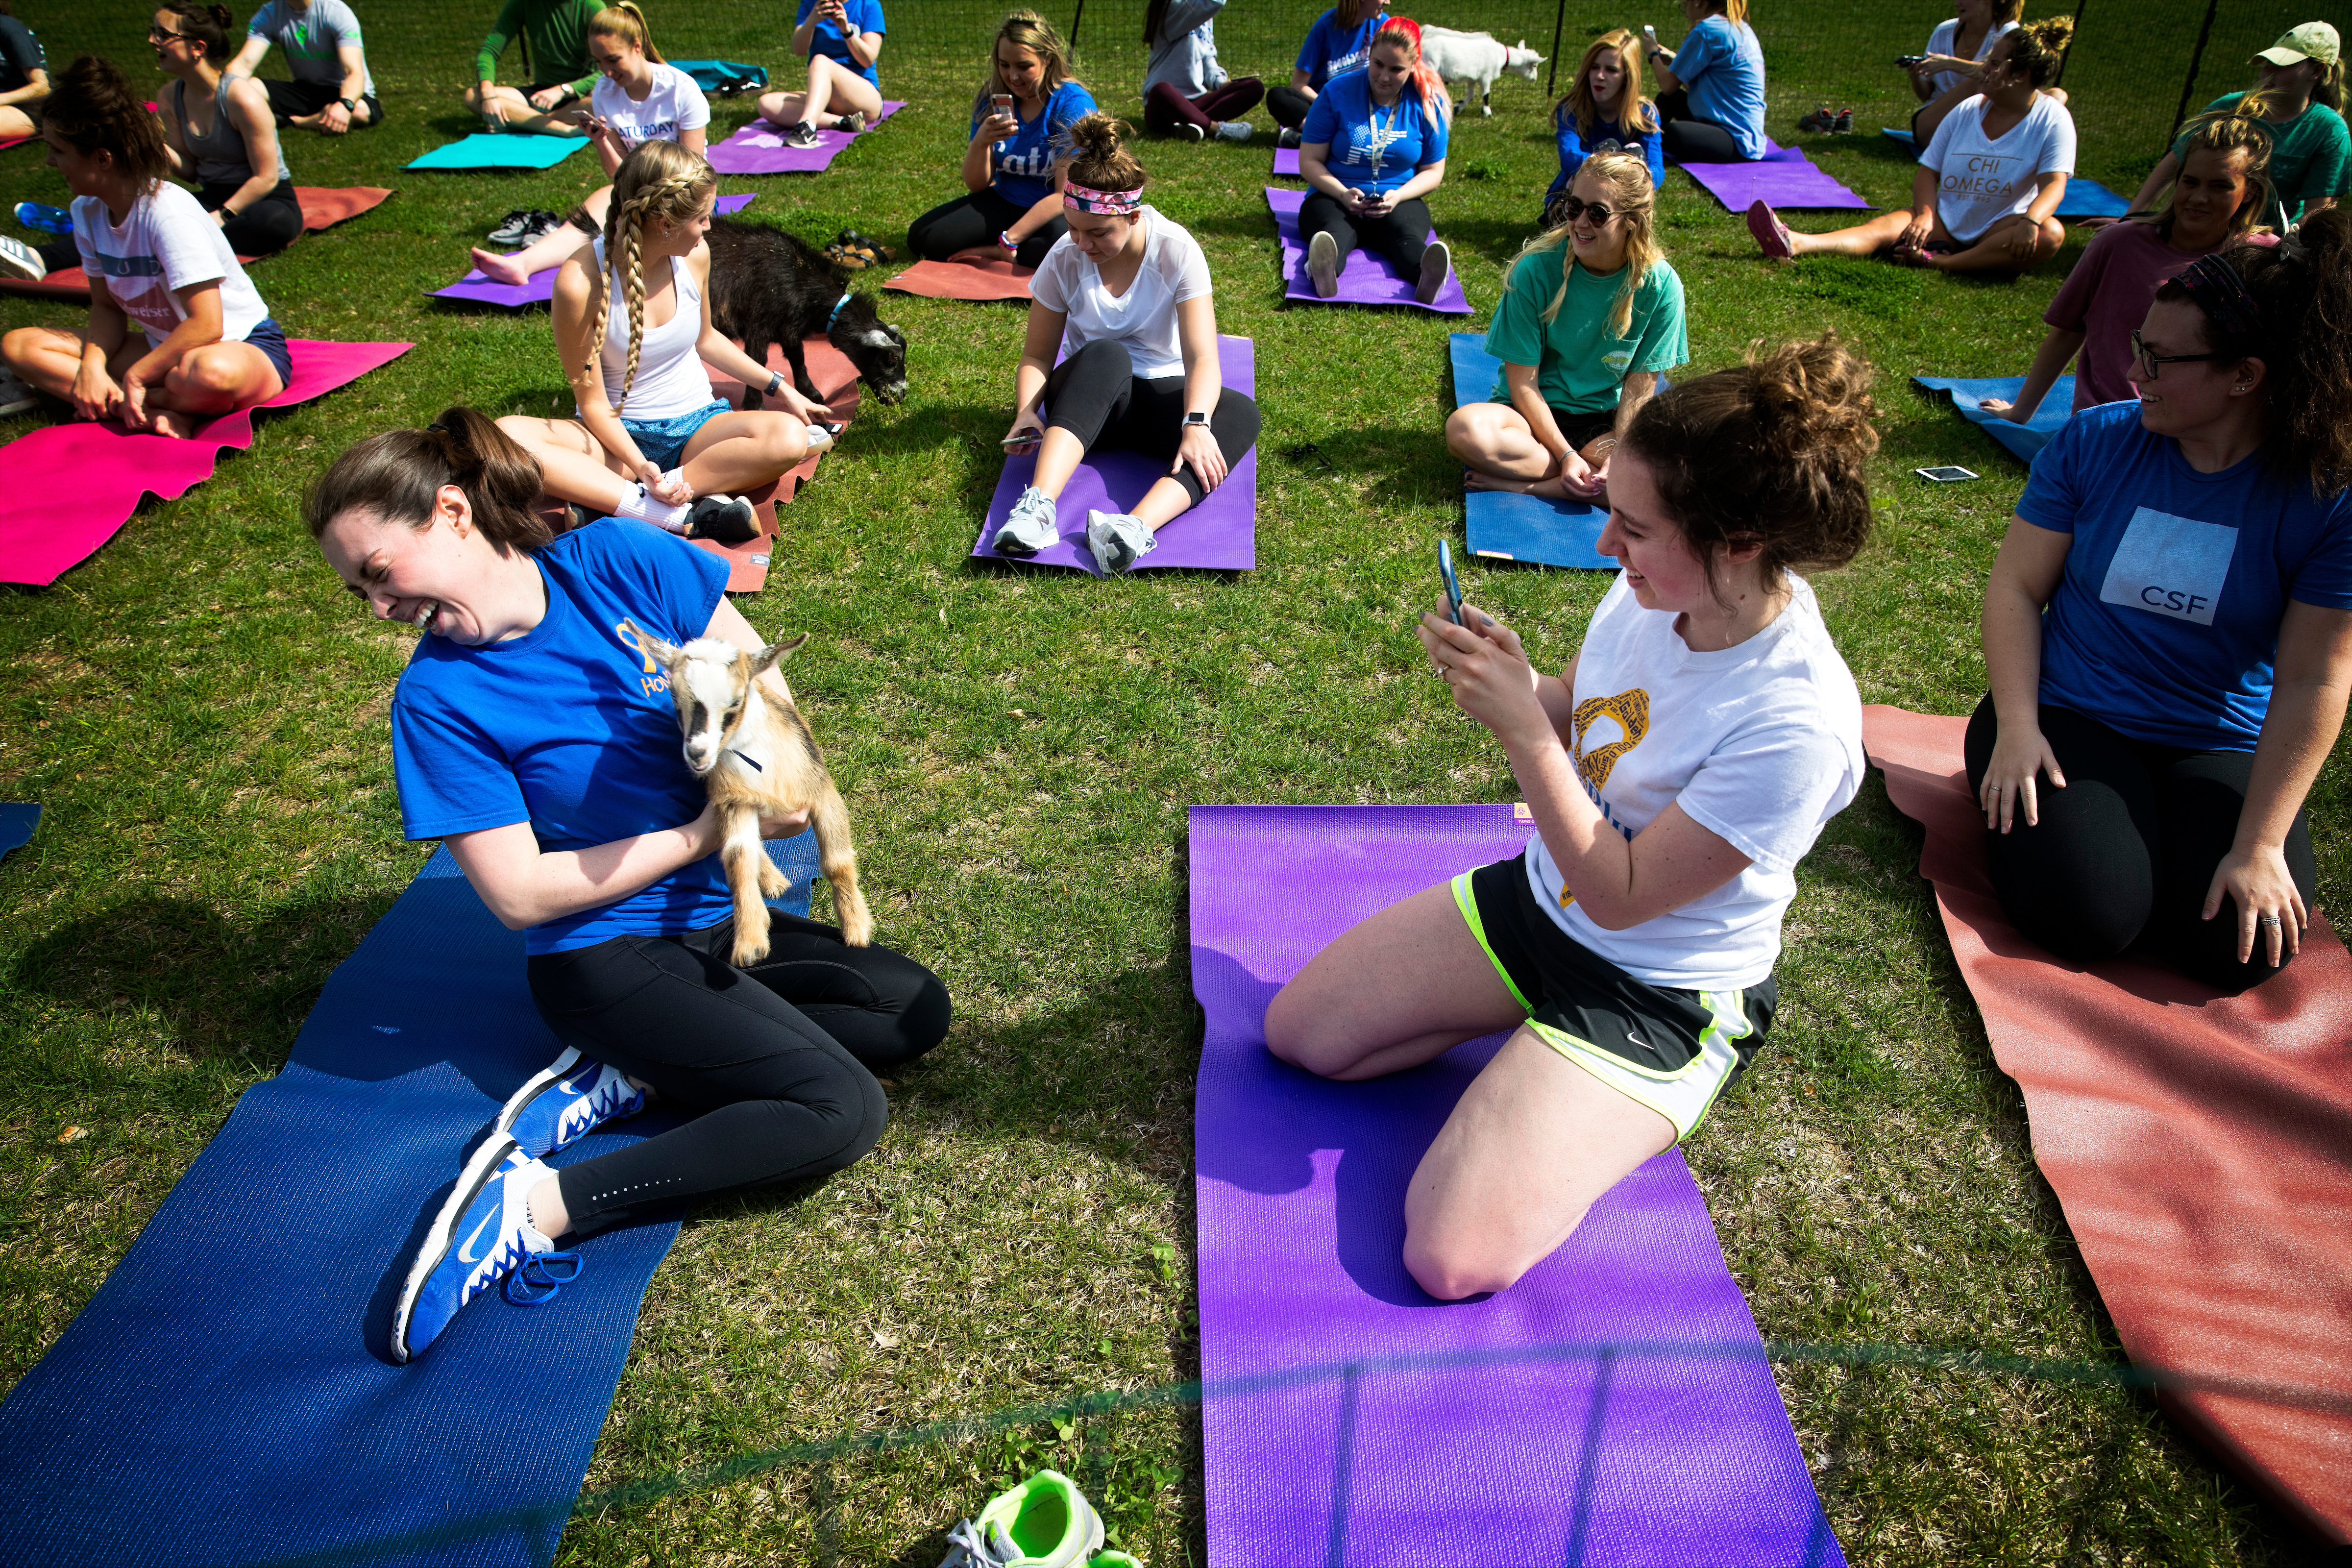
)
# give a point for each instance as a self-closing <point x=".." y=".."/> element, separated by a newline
<point x="1592" y="312"/>
<point x="1013" y="164"/>
<point x="2302" y="87"/>
<point x="1605" y="111"/>
<point x="1956" y="50"/>
<point x="1388" y="125"/>
<point x="1711" y="90"/>
<point x="633" y="326"/>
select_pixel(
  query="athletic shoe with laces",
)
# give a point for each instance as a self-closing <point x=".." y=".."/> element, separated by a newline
<point x="853" y="122"/>
<point x="1032" y="525"/>
<point x="1819" y="120"/>
<point x="21" y="260"/>
<point x="1234" y="131"/>
<point x="1436" y="266"/>
<point x="1119" y="541"/>
<point x="1770" y="233"/>
<point x="1323" y="264"/>
<point x="510" y="227"/>
<point x="15" y="395"/>
<point x="540" y="226"/>
<point x="482" y="1234"/>
<point x="724" y="520"/>
<point x="563" y="1100"/>
<point x="1044" y="1523"/>
<point x="1844" y="124"/>
<point x="1287" y="137"/>
<point x="802" y="134"/>
<point x="44" y="218"/>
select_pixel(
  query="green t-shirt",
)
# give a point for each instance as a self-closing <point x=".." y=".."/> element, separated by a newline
<point x="1580" y="363"/>
<point x="2311" y="159"/>
<point x="555" y="32"/>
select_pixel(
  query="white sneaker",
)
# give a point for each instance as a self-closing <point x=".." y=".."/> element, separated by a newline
<point x="21" y="260"/>
<point x="15" y="396"/>
<point x="1323" y="263"/>
<point x="1436" y="266"/>
<point x="1233" y="129"/>
<point x="1119" y="541"/>
<point x="1034" y="525"/>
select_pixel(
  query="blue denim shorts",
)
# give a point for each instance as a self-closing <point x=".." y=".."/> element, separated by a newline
<point x="661" y="440"/>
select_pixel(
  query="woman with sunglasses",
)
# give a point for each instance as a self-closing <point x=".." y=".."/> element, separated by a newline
<point x="222" y="132"/>
<point x="2168" y="629"/>
<point x="1374" y="147"/>
<point x="1591" y="314"/>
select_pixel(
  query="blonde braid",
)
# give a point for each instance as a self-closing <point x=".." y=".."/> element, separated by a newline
<point x="625" y="268"/>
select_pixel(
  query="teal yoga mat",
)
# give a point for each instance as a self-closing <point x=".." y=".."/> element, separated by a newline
<point x="483" y="150"/>
<point x="1506" y="526"/>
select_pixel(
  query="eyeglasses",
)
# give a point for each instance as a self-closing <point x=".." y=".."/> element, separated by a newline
<point x="2148" y="364"/>
<point x="1572" y="209"/>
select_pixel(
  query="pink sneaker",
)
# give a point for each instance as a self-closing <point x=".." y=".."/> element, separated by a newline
<point x="1770" y="233"/>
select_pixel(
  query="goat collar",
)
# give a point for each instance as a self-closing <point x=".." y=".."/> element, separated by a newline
<point x="839" y="305"/>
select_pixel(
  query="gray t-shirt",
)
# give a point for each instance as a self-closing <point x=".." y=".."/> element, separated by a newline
<point x="311" y="35"/>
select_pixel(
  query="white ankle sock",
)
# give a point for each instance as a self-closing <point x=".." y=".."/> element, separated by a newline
<point x="639" y="503"/>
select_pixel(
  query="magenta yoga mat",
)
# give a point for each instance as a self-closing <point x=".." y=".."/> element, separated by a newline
<point x="1364" y="279"/>
<point x="1614" y="1408"/>
<point x="758" y="149"/>
<point x="539" y="288"/>
<point x="1784" y="176"/>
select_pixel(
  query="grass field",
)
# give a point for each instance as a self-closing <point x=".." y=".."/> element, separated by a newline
<point x="202" y="712"/>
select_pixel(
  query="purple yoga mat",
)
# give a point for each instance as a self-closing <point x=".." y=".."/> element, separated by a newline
<point x="1218" y="535"/>
<point x="1365" y="279"/>
<point x="539" y="288"/>
<point x="1784" y="176"/>
<point x="1285" y="163"/>
<point x="758" y="149"/>
<point x="1612" y="1408"/>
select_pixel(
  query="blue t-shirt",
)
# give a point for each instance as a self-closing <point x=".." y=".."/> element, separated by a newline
<point x="1723" y="66"/>
<point x="865" y="16"/>
<point x="1372" y="149"/>
<point x="2166" y="622"/>
<point x="1025" y="160"/>
<point x="1608" y="136"/>
<point x="571" y="727"/>
<point x="1333" y="50"/>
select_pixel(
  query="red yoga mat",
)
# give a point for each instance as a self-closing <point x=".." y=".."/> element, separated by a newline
<point x="836" y="378"/>
<point x="2201" y="1146"/>
<point x="964" y="280"/>
<point x="323" y="207"/>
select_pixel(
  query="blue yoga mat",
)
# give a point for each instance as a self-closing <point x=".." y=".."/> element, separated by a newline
<point x="509" y="150"/>
<point x="18" y="821"/>
<point x="2084" y="198"/>
<point x="1514" y="527"/>
<point x="228" y="1396"/>
<point x="2022" y="440"/>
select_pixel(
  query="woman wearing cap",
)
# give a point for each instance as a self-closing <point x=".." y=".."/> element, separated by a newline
<point x="2168" y="629"/>
<point x="2302" y="104"/>
<point x="1711" y="90"/>
<point x="1387" y="125"/>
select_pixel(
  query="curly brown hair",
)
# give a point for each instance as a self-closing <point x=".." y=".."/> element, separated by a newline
<point x="2039" y="48"/>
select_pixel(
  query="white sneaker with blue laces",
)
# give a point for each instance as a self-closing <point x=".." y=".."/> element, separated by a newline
<point x="1119" y="541"/>
<point x="1034" y="525"/>
<point x="482" y="1234"/>
<point x="563" y="1100"/>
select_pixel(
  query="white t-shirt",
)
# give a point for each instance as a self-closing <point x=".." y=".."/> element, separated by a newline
<point x="1981" y="182"/>
<point x="166" y="242"/>
<point x="1939" y="42"/>
<point x="671" y="377"/>
<point x="1144" y="318"/>
<point x="674" y="103"/>
<point x="1760" y="743"/>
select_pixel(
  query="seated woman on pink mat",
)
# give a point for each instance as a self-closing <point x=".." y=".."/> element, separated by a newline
<point x="842" y="39"/>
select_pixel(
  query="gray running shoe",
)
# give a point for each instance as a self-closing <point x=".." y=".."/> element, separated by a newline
<point x="1034" y="525"/>
<point x="1233" y="129"/>
<point x="15" y="396"/>
<point x="1119" y="541"/>
<point x="1436" y="266"/>
<point x="1323" y="263"/>
<point x="1287" y="137"/>
<point x="803" y="135"/>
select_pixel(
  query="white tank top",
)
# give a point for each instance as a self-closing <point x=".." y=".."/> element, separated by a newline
<point x="671" y="379"/>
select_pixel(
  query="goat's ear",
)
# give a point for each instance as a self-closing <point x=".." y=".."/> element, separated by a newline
<point x="774" y="651"/>
<point x="653" y="648"/>
<point x="896" y="336"/>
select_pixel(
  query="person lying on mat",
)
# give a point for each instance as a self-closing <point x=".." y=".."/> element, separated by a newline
<point x="2222" y="192"/>
<point x="1340" y="41"/>
<point x="639" y="98"/>
<point x="1374" y="147"/>
<point x="332" y="91"/>
<point x="534" y="734"/>
<point x="24" y="76"/>
<point x="221" y="133"/>
<point x="2167" y="628"/>
<point x="1605" y="111"/>
<point x="555" y="42"/>
<point x="206" y="345"/>
<point x="841" y="39"/>
<point x="1956" y="49"/>
<point x="1711" y="90"/>
<point x="1678" y="772"/>
<point x="1987" y="183"/>
<point x="1013" y="166"/>
<point x="1125" y="298"/>
<point x="1581" y="336"/>
<point x="2302" y="94"/>
<point x="632" y="316"/>
<point x="1186" y="91"/>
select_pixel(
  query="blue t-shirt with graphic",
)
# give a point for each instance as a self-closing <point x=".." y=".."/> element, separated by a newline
<point x="1608" y="136"/>
<point x="1723" y="66"/>
<point x="1372" y="149"/>
<point x="1331" y="49"/>
<point x="865" y="16"/>
<point x="2166" y="622"/>
<point x="1023" y="162"/>
<point x="571" y="726"/>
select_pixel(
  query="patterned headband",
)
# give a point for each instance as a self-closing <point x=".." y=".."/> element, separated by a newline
<point x="1102" y="204"/>
<point x="2216" y="289"/>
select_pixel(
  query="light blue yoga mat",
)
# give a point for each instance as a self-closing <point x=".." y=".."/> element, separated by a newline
<point x="2084" y="198"/>
<point x="512" y="150"/>
<point x="18" y="820"/>
<point x="1510" y="527"/>
<point x="2022" y="440"/>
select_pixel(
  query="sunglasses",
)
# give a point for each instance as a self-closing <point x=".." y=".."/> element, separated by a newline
<point x="161" y="35"/>
<point x="2149" y="364"/>
<point x="1572" y="209"/>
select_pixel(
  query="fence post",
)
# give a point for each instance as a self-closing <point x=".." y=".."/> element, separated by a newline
<point x="1559" y="20"/>
<point x="1077" y="16"/>
<point x="2068" y="53"/>
<point x="2189" y="84"/>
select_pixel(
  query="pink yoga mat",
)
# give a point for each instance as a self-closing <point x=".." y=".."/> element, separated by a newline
<point x="758" y="149"/>
<point x="1364" y="279"/>
<point x="72" y="486"/>
<point x="1784" y="176"/>
<point x="539" y="288"/>
<point x="997" y="280"/>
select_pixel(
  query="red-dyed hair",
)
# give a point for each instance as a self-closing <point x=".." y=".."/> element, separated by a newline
<point x="1406" y="31"/>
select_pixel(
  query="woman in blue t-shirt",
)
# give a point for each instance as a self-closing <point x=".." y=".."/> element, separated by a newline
<point x="1711" y="90"/>
<point x="535" y="735"/>
<point x="1019" y="150"/>
<point x="1605" y="111"/>
<point x="2168" y="629"/>
<point x="842" y="39"/>
<point x="1340" y="41"/>
<point x="1372" y="148"/>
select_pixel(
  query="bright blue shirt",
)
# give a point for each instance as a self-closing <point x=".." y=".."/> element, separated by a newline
<point x="571" y="727"/>
<point x="1372" y="149"/>
<point x="2166" y="622"/>
<point x="865" y="16"/>
<point x="1608" y="136"/>
<point x="1333" y="50"/>
<point x="1025" y="160"/>
<point x="1723" y="66"/>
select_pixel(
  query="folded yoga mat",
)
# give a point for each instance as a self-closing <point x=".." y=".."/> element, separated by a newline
<point x="228" y="1395"/>
<point x="323" y="207"/>
<point x="1784" y="176"/>
<point x="1285" y="163"/>
<point x="998" y="279"/>
<point x="501" y="150"/>
<point x="2022" y="441"/>
<point x="2084" y="198"/>
<point x="1364" y="279"/>
<point x="759" y="148"/>
<point x="1612" y="1408"/>
<point x="2201" y="1146"/>
<point x="837" y="380"/>
<point x="539" y="288"/>
<point x="1218" y="535"/>
<point x="18" y="820"/>
<point x="1510" y="527"/>
<point x="73" y="485"/>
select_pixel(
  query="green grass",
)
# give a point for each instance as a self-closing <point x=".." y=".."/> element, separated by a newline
<point x="201" y="713"/>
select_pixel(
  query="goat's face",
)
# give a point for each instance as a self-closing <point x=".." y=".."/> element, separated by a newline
<point x="1522" y="60"/>
<point x="878" y="349"/>
<point x="711" y="680"/>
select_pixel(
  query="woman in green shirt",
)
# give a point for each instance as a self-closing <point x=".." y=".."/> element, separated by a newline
<point x="2311" y="149"/>
<point x="555" y="37"/>
<point x="1591" y="314"/>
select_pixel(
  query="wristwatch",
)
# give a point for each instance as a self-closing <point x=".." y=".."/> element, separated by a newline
<point x="1196" y="420"/>
<point x="775" y="382"/>
<point x="351" y="105"/>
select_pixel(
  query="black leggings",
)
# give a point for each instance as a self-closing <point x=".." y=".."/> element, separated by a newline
<point x="268" y="226"/>
<point x="1686" y="139"/>
<point x="1401" y="237"/>
<point x="2124" y="854"/>
<point x="1165" y="108"/>
<point x="778" y="1059"/>
<point x="1287" y="105"/>
<point x="1096" y="396"/>
<point x="977" y="219"/>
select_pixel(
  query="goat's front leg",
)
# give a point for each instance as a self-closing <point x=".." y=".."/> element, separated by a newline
<point x="745" y="858"/>
<point x="755" y="393"/>
<point x="798" y="359"/>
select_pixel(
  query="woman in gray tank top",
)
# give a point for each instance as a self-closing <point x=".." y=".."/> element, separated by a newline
<point x="221" y="133"/>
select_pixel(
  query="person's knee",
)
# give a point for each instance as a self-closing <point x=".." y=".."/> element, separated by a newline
<point x="525" y="431"/>
<point x="21" y="347"/>
<point x="479" y="99"/>
<point x="1106" y="357"/>
<point x="1453" y="1267"/>
<point x="1299" y="1030"/>
<point x="209" y="372"/>
<point x="1465" y="433"/>
<point x="2051" y="240"/>
<point x="1237" y="423"/>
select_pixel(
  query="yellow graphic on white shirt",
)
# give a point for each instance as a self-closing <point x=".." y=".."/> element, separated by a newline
<point x="1631" y="709"/>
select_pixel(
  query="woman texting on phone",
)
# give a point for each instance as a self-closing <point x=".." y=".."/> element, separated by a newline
<point x="1013" y="164"/>
<point x="841" y="39"/>
<point x="1372" y="148"/>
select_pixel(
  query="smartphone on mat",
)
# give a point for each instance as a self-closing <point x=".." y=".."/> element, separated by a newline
<point x="1453" y="586"/>
<point x="1946" y="474"/>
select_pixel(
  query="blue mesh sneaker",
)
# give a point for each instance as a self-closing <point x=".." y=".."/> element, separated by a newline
<point x="482" y="1234"/>
<point x="563" y="1100"/>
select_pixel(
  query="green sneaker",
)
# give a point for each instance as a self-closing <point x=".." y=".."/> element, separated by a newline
<point x="1044" y="1523"/>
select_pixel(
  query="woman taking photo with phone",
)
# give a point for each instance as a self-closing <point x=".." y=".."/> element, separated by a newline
<point x="2301" y="93"/>
<point x="1012" y="165"/>
<point x="841" y="39"/>
<point x="1374" y="147"/>
<point x="222" y="132"/>
<point x="1605" y="111"/>
<point x="1956" y="50"/>
<point x="1711" y="90"/>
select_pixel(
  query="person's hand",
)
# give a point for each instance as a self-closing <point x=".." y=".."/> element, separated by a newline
<point x="997" y="128"/>
<point x="335" y="120"/>
<point x="2022" y="232"/>
<point x="547" y="98"/>
<point x="1028" y="425"/>
<point x="2001" y="408"/>
<point x="805" y="410"/>
<point x="95" y="394"/>
<point x="835" y="12"/>
<point x="220" y="217"/>
<point x="2020" y="754"/>
<point x="132" y="410"/>
<point x="2271" y="913"/>
<point x="670" y="490"/>
<point x="1484" y="663"/>
<point x="1377" y="204"/>
<point x="1353" y="200"/>
<point x="1576" y="476"/>
<point x="1915" y="233"/>
<point x="1199" y="448"/>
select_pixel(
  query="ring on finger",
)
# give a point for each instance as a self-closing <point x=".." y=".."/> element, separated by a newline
<point x="2268" y="920"/>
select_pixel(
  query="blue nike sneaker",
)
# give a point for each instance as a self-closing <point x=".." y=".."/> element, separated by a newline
<point x="482" y="1234"/>
<point x="563" y="1100"/>
<point x="44" y="218"/>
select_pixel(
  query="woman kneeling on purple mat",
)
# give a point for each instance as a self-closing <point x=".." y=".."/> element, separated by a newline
<point x="1677" y="770"/>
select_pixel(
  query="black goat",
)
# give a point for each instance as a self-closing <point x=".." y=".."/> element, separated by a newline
<point x="767" y="287"/>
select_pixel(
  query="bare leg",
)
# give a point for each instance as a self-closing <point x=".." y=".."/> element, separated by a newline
<point x="551" y="250"/>
<point x="1992" y="253"/>
<point x="14" y="123"/>
<point x="44" y="357"/>
<point x="548" y="1215"/>
<point x="216" y="379"/>
<point x="509" y="108"/>
<point x="572" y="464"/>
<point x="832" y="90"/>
<point x="1163" y="503"/>
<point x="1863" y="239"/>
<point x="1498" y="447"/>
<point x="782" y="108"/>
<point x="742" y="451"/>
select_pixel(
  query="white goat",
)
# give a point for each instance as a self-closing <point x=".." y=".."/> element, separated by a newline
<point x="1477" y="59"/>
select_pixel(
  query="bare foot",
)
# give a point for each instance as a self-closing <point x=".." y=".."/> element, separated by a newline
<point x="498" y="268"/>
<point x="1553" y="489"/>
<point x="170" y="422"/>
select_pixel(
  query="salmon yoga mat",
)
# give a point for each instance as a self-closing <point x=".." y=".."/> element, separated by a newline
<point x="997" y="280"/>
<point x="2201" y="1146"/>
<point x="836" y="378"/>
<point x="323" y="207"/>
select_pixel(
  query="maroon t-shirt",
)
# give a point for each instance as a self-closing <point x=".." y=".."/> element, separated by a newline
<point x="2105" y="299"/>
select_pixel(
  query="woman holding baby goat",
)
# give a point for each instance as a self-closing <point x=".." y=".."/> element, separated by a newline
<point x="534" y="733"/>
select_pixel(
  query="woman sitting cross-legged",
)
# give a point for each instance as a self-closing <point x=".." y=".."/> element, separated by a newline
<point x="1603" y="112"/>
<point x="841" y="41"/>
<point x="1185" y="91"/>
<point x="633" y="326"/>
<point x="2301" y="96"/>
<point x="1677" y="770"/>
<point x="1711" y="90"/>
<point x="1372" y="148"/>
<point x="1987" y="183"/>
<point x="2168" y="629"/>
<point x="535" y="736"/>
<point x="1124" y="295"/>
<point x="1012" y="165"/>
<point x="222" y="132"/>
<point x="205" y="345"/>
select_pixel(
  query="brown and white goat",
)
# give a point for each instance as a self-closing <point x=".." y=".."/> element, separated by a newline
<point x="754" y="754"/>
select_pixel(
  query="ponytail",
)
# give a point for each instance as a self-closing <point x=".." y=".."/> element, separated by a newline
<point x="395" y="477"/>
<point x="621" y="19"/>
<point x="658" y="180"/>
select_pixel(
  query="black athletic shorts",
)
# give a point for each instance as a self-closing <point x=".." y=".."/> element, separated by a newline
<point x="288" y="98"/>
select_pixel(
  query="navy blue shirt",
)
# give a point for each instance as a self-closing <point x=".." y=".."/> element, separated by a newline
<point x="1023" y="162"/>
<point x="865" y="16"/>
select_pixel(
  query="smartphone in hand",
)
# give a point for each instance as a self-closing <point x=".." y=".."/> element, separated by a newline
<point x="1452" y="586"/>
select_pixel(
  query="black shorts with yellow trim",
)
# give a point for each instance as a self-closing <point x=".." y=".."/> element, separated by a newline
<point x="1674" y="1051"/>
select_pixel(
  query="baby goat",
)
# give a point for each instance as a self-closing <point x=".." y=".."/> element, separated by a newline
<point x="753" y="752"/>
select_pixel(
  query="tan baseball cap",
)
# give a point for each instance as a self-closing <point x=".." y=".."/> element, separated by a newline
<point x="2312" y="41"/>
